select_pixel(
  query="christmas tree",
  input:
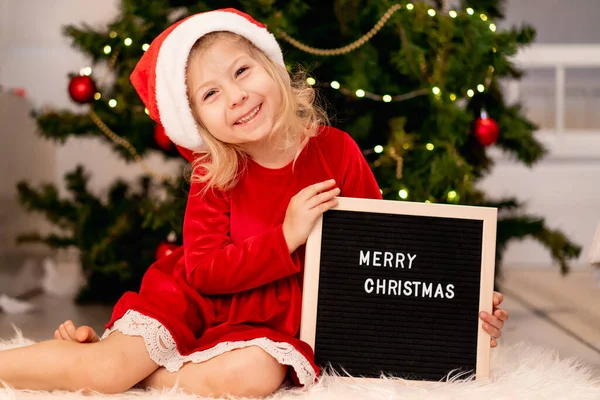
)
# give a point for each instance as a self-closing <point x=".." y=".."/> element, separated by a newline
<point x="415" y="83"/>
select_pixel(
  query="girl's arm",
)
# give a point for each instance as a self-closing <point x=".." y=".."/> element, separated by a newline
<point x="215" y="264"/>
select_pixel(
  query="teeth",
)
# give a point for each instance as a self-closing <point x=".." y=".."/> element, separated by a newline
<point x="249" y="116"/>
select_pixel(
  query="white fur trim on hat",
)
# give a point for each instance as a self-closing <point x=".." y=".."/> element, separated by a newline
<point x="171" y="94"/>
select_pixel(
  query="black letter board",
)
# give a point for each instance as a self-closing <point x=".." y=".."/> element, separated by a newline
<point x="395" y="288"/>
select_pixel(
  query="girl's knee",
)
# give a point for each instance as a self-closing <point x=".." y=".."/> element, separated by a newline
<point x="254" y="373"/>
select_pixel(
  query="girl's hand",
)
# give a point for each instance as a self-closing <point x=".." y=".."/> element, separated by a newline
<point x="494" y="323"/>
<point x="304" y="209"/>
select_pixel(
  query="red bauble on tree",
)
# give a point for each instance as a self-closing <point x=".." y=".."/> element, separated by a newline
<point x="486" y="130"/>
<point x="82" y="89"/>
<point x="165" y="249"/>
<point x="161" y="138"/>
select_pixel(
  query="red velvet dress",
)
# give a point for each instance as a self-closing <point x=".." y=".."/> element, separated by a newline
<point x="233" y="283"/>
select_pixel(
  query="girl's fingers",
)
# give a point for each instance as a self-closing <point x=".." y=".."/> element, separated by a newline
<point x="321" y="208"/>
<point x="491" y="330"/>
<point x="492" y="320"/>
<point x="57" y="335"/>
<point x="501" y="314"/>
<point x="493" y="342"/>
<point x="312" y="190"/>
<point x="322" y="198"/>
<point x="63" y="332"/>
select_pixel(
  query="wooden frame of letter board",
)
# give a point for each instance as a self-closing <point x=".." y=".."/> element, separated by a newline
<point x="313" y="254"/>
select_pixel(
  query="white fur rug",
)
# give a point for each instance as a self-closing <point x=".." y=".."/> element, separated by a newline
<point x="518" y="371"/>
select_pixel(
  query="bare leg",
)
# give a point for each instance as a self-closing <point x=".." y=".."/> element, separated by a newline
<point x="110" y="366"/>
<point x="249" y="372"/>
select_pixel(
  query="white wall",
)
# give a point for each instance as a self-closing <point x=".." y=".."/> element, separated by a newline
<point x="34" y="55"/>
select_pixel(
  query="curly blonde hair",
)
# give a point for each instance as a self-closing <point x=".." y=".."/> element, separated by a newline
<point x="219" y="164"/>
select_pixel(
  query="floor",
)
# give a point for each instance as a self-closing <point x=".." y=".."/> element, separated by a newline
<point x="545" y="309"/>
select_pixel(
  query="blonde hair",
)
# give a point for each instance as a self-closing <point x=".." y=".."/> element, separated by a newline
<point x="219" y="165"/>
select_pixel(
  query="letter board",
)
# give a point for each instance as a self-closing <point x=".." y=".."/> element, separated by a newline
<point x="395" y="288"/>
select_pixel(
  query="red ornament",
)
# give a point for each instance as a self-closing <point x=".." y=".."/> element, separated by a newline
<point x="165" y="249"/>
<point x="161" y="138"/>
<point x="82" y="89"/>
<point x="486" y="130"/>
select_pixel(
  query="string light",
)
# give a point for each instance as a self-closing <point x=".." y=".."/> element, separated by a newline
<point x="470" y="93"/>
<point x="470" y="11"/>
<point x="431" y="12"/>
<point x="113" y="35"/>
<point x="436" y="90"/>
<point x="97" y="96"/>
<point x="87" y="71"/>
<point x="128" y="42"/>
<point x="378" y="149"/>
<point x="452" y="195"/>
<point x="335" y="84"/>
<point x="452" y="97"/>
<point x="403" y="193"/>
<point x="483" y="17"/>
<point x="387" y="98"/>
<point x="112" y="103"/>
<point x="492" y="27"/>
<point x="360" y="93"/>
<point x="146" y="111"/>
<point x="429" y="146"/>
<point x="427" y="201"/>
<point x="311" y="81"/>
<point x="453" y="14"/>
<point x="145" y="46"/>
<point x="410" y="6"/>
<point x="480" y="88"/>
<point x="107" y="49"/>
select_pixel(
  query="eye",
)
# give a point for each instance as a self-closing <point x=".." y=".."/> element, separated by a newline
<point x="240" y="71"/>
<point x="210" y="93"/>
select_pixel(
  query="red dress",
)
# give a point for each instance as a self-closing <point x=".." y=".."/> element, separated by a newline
<point x="233" y="283"/>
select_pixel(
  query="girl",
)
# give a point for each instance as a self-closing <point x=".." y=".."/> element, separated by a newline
<point x="221" y="314"/>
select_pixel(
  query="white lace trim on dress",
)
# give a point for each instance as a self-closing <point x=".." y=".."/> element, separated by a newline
<point x="163" y="350"/>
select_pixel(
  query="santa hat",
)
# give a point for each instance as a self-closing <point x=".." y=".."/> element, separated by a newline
<point x="159" y="76"/>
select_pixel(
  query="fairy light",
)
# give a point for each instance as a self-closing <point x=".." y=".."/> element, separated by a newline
<point x="453" y="14"/>
<point x="311" y="81"/>
<point x="429" y="146"/>
<point x="483" y="17"/>
<point x="112" y="103"/>
<point x="335" y="84"/>
<point x="128" y="42"/>
<point x="410" y="6"/>
<point x="113" y="35"/>
<point x="107" y="49"/>
<point x="492" y="27"/>
<point x="387" y="98"/>
<point x="360" y="93"/>
<point x="378" y="149"/>
<point x="480" y="88"/>
<point x="145" y="46"/>
<point x="470" y="93"/>
<point x="436" y="90"/>
<point x="97" y="96"/>
<point x="427" y="201"/>
<point x="452" y="97"/>
<point x="403" y="193"/>
<point x="380" y="191"/>
<point x="470" y="11"/>
<point x="452" y="195"/>
<point x="146" y="111"/>
<point x="87" y="71"/>
<point x="431" y="12"/>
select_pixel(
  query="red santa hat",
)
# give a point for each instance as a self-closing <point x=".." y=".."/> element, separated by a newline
<point x="159" y="76"/>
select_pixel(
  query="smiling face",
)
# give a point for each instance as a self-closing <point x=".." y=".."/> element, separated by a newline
<point x="232" y="94"/>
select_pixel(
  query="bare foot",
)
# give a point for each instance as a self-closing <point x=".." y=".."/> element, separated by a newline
<point x="83" y="334"/>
